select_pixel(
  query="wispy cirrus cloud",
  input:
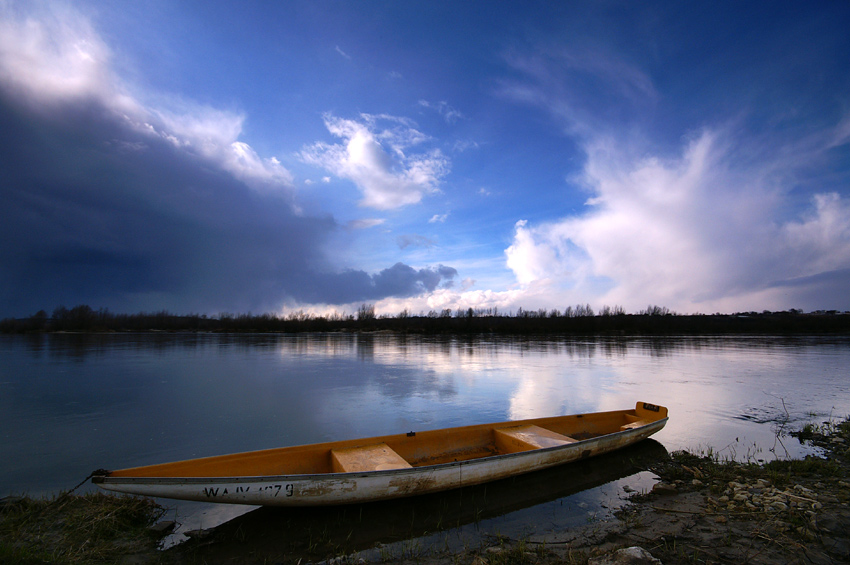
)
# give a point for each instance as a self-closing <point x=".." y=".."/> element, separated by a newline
<point x="449" y="114"/>
<point x="587" y="89"/>
<point x="374" y="156"/>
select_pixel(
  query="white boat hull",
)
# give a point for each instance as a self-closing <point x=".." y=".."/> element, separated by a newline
<point x="346" y="488"/>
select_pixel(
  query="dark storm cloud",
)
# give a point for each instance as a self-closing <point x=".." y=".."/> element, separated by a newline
<point x="818" y="292"/>
<point x="400" y="280"/>
<point x="100" y="212"/>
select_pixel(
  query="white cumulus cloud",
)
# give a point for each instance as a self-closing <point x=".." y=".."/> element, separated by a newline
<point x="690" y="232"/>
<point x="377" y="161"/>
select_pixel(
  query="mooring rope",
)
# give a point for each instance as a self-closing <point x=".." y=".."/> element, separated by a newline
<point x="92" y="474"/>
<point x="66" y="494"/>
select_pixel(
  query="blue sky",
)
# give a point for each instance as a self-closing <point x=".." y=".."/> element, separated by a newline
<point x="276" y="156"/>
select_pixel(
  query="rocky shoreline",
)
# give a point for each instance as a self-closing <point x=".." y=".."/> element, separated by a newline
<point x="701" y="511"/>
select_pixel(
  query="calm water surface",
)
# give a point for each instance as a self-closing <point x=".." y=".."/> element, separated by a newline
<point x="72" y="403"/>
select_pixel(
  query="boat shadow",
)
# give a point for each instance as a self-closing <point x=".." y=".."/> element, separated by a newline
<point x="284" y="534"/>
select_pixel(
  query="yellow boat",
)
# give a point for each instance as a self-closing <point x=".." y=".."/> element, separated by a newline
<point x="378" y="468"/>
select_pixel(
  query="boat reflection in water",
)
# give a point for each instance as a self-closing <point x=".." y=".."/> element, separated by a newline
<point x="273" y="533"/>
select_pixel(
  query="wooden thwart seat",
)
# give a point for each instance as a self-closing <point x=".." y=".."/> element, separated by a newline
<point x="378" y="457"/>
<point x="633" y="422"/>
<point x="526" y="438"/>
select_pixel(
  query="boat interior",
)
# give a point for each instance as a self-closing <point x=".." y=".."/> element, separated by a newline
<point x="414" y="449"/>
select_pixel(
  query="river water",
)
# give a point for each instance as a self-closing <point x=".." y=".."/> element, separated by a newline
<point x="71" y="403"/>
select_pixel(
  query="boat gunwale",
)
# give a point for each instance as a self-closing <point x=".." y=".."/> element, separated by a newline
<point x="216" y="479"/>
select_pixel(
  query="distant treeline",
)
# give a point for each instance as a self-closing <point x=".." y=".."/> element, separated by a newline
<point x="580" y="319"/>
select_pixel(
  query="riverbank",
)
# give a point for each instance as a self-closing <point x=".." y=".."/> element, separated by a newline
<point x="702" y="511"/>
<point x="705" y="511"/>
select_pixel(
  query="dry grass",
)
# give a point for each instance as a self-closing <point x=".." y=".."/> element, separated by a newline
<point x="76" y="530"/>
